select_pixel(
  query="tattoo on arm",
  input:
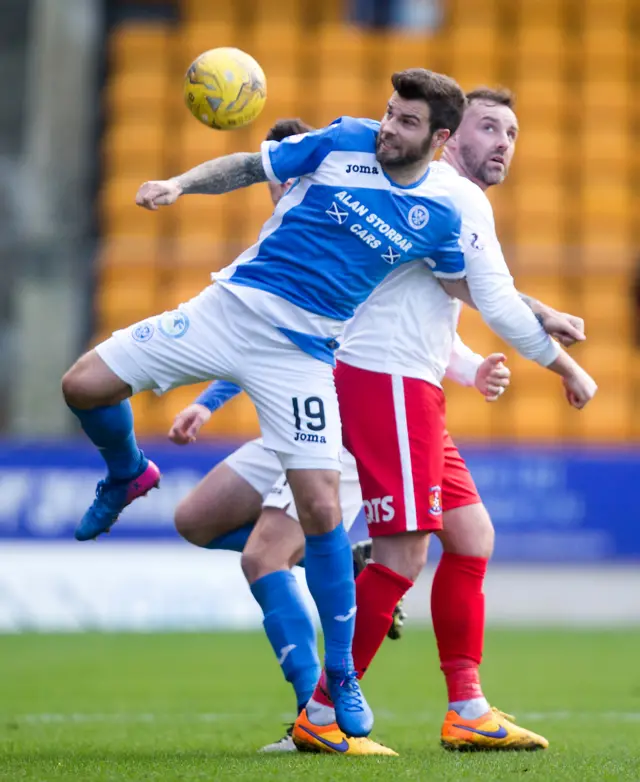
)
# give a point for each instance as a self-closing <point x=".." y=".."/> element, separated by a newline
<point x="223" y="174"/>
<point x="534" y="305"/>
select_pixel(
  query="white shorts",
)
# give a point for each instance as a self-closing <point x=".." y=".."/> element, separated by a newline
<point x="216" y="335"/>
<point x="261" y="469"/>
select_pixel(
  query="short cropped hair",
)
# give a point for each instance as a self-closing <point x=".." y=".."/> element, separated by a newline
<point x="501" y="96"/>
<point x="444" y="96"/>
<point x="284" y="128"/>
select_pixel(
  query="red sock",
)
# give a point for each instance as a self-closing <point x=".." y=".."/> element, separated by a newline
<point x="378" y="590"/>
<point x="457" y="610"/>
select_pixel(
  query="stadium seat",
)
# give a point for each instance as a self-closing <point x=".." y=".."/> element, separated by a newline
<point x="539" y="155"/>
<point x="135" y="43"/>
<point x="123" y="98"/>
<point x="206" y="11"/>
<point x="609" y="416"/>
<point x="134" y="148"/>
<point x="469" y="416"/>
<point x="121" y="216"/>
<point x="538" y="213"/>
<point x="540" y="50"/>
<point x="536" y="417"/>
<point x="124" y="298"/>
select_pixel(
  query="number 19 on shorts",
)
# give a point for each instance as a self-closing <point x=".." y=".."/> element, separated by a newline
<point x="309" y="419"/>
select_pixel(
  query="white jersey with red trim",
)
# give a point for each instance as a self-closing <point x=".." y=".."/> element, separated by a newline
<point x="407" y="325"/>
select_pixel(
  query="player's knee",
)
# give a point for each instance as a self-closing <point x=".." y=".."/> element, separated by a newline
<point x="404" y="554"/>
<point x="187" y="524"/>
<point x="468" y="531"/>
<point x="74" y="386"/>
<point x="258" y="561"/>
<point x="319" y="514"/>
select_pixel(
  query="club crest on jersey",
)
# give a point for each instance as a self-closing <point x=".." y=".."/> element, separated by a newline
<point x="143" y="332"/>
<point x="418" y="216"/>
<point x="435" y="501"/>
<point x="174" y="324"/>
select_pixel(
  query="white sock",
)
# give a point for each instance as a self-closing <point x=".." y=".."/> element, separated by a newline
<point x="320" y="714"/>
<point x="471" y="709"/>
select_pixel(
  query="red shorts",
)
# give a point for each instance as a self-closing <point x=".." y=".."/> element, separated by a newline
<point x="410" y="469"/>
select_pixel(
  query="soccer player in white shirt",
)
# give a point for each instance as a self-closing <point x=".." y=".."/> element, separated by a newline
<point x="272" y="324"/>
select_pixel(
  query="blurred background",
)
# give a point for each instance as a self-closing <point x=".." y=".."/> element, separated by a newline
<point x="92" y="107"/>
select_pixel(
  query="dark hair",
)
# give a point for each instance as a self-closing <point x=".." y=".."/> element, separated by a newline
<point x="287" y="127"/>
<point x="443" y="95"/>
<point x="501" y="95"/>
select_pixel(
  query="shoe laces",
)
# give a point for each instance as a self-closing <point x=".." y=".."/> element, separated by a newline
<point x="504" y="714"/>
<point x="350" y="693"/>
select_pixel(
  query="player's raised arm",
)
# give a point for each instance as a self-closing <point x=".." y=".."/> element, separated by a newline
<point x="493" y="293"/>
<point x="277" y="161"/>
<point x="214" y="177"/>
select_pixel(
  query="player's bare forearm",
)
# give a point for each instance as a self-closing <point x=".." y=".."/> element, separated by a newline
<point x="223" y="174"/>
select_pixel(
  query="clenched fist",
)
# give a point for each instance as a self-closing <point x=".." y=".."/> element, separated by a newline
<point x="492" y="377"/>
<point x="151" y="195"/>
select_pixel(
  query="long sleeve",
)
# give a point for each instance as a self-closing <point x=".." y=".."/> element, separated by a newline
<point x="217" y="394"/>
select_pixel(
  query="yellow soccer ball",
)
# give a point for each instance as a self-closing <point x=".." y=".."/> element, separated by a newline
<point x="225" y="88"/>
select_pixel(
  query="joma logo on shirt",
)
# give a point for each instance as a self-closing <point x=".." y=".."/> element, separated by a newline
<point x="309" y="438"/>
<point x="356" y="169"/>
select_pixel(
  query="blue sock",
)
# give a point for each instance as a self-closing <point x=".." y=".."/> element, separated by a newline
<point x="289" y="628"/>
<point x="110" y="429"/>
<point x="234" y="540"/>
<point x="329" y="568"/>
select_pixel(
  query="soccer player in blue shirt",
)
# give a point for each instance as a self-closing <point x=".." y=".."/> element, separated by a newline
<point x="362" y="205"/>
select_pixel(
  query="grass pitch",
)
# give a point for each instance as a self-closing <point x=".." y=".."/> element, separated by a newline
<point x="196" y="707"/>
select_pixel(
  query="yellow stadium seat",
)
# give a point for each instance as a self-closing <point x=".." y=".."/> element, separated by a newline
<point x="538" y="213"/>
<point x="124" y="298"/>
<point x="137" y="95"/>
<point x="132" y="45"/>
<point x="397" y="51"/>
<point x="469" y="416"/>
<point x="206" y="11"/>
<point x="550" y="288"/>
<point x="120" y="215"/>
<point x="604" y="14"/>
<point x="607" y="98"/>
<point x="199" y="253"/>
<point x="149" y="415"/>
<point x="536" y="417"/>
<point x="195" y="38"/>
<point x="537" y="257"/>
<point x="609" y="417"/>
<point x="540" y="50"/>
<point x="480" y="13"/>
<point x="607" y="303"/>
<point x="340" y="50"/>
<point x="540" y="102"/>
<point x="608" y="360"/>
<point x="134" y="149"/>
<point x="129" y="251"/>
<point x="539" y="154"/>
<point x="533" y="13"/>
<point x="604" y="53"/>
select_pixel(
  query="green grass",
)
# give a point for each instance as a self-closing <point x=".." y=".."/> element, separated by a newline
<point x="196" y="707"/>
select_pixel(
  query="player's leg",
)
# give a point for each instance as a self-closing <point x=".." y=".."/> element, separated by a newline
<point x="400" y="475"/>
<point x="275" y="545"/>
<point x="300" y="420"/>
<point x="457" y="609"/>
<point x="221" y="511"/>
<point x="99" y="398"/>
<point x="160" y="353"/>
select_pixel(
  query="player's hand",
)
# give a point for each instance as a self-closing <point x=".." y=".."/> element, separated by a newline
<point x="579" y="387"/>
<point x="151" y="195"/>
<point x="567" y="329"/>
<point x="492" y="377"/>
<point x="188" y="423"/>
